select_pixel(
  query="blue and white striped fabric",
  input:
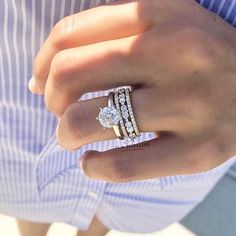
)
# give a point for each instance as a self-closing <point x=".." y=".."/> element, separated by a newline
<point x="40" y="181"/>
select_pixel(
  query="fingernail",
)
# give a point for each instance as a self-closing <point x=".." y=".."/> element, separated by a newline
<point x="57" y="130"/>
<point x="81" y="163"/>
<point x="81" y="159"/>
<point x="32" y="85"/>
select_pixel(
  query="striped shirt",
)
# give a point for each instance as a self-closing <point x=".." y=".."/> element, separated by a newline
<point x="39" y="180"/>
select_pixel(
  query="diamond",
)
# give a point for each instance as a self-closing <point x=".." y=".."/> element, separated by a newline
<point x="128" y="124"/>
<point x="130" y="129"/>
<point x="124" y="108"/>
<point x="132" y="135"/>
<point x="125" y="114"/>
<point x="109" y="116"/>
<point x="122" y="100"/>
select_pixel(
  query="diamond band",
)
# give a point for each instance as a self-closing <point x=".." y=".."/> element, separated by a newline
<point x="128" y="126"/>
<point x="121" y="120"/>
<point x="127" y="93"/>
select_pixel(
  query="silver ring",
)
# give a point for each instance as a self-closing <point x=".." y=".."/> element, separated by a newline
<point x="119" y="115"/>
<point x="109" y="116"/>
<point x="116" y="128"/>
<point x="129" y="126"/>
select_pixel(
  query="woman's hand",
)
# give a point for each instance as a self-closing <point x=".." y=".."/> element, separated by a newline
<point x="180" y="60"/>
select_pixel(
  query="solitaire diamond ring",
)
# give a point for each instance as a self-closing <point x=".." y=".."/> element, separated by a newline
<point x="109" y="116"/>
<point x="119" y="115"/>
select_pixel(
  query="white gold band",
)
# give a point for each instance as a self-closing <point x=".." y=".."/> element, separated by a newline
<point x="127" y="114"/>
<point x="122" y="126"/>
<point x="116" y="128"/>
<point x="128" y="100"/>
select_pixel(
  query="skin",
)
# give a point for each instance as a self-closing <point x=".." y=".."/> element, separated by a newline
<point x="180" y="60"/>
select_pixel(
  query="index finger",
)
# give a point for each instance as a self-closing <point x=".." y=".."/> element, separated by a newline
<point x="105" y="22"/>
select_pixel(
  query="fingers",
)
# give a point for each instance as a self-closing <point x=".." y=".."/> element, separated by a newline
<point x="78" y="125"/>
<point x="106" y="22"/>
<point x="153" y="112"/>
<point x="164" y="156"/>
<point x="89" y="68"/>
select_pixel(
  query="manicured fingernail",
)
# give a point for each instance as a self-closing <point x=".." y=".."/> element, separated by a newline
<point x="32" y="85"/>
<point x="57" y="130"/>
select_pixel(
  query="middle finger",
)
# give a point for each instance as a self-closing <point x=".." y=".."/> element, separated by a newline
<point x="78" y="125"/>
<point x="90" y="68"/>
<point x="106" y="22"/>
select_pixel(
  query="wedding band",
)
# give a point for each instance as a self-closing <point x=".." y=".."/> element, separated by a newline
<point x="121" y="122"/>
<point x="128" y="123"/>
<point x="128" y="100"/>
<point x="116" y="128"/>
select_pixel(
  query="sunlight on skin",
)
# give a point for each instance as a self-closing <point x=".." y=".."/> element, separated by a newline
<point x="182" y="79"/>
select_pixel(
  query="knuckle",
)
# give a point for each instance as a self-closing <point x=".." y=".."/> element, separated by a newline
<point x="189" y="39"/>
<point x="49" y="104"/>
<point x="192" y="35"/>
<point x="195" y="47"/>
<point x="60" y="35"/>
<point x="195" y="43"/>
<point x="60" y="68"/>
<point x="51" y="101"/>
<point x="151" y="6"/>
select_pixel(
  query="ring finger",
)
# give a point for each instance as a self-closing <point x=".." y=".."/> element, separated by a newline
<point x="78" y="125"/>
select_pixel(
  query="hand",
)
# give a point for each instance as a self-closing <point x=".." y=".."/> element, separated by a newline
<point x="180" y="60"/>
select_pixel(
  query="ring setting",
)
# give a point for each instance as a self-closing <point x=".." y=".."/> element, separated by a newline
<point x="108" y="116"/>
<point x="119" y="115"/>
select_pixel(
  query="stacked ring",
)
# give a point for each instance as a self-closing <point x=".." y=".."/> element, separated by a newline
<point x="116" y="128"/>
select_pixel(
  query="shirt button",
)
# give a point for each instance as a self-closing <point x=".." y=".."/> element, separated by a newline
<point x="93" y="194"/>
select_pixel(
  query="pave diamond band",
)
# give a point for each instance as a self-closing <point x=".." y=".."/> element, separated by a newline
<point x="117" y="104"/>
<point x="119" y="115"/>
<point x="128" y="100"/>
<point x="127" y="114"/>
<point x="127" y="125"/>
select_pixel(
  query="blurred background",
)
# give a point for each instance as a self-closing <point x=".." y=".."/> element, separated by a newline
<point x="8" y="227"/>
